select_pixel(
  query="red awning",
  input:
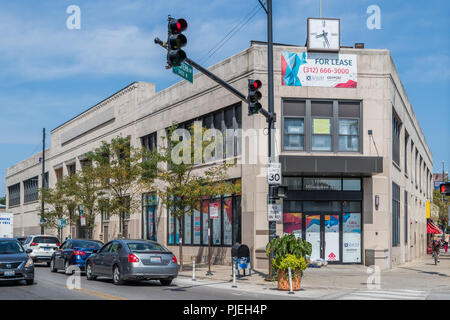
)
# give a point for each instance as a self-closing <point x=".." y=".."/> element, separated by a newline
<point x="431" y="228"/>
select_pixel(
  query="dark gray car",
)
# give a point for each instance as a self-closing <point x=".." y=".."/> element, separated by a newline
<point x="15" y="264"/>
<point x="124" y="260"/>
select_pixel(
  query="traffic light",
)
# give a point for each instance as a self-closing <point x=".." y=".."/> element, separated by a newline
<point x="254" y="96"/>
<point x="175" y="41"/>
<point x="445" y="188"/>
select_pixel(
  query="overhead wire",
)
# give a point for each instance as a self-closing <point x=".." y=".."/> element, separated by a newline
<point x="237" y="27"/>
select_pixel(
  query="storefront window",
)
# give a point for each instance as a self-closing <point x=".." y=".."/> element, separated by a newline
<point x="187" y="236"/>
<point x="227" y="221"/>
<point x="149" y="202"/>
<point x="351" y="184"/>
<point x="321" y="184"/>
<point x="293" y="183"/>
<point x="321" y="206"/>
<point x="205" y="221"/>
<point x="215" y="214"/>
<point x="348" y="135"/>
<point x="197" y="225"/>
<point x="294" y="131"/>
<point x="292" y="223"/>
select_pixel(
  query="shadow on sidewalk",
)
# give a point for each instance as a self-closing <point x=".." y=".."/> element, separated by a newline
<point x="426" y="272"/>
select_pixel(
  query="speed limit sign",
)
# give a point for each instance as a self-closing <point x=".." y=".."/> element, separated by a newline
<point x="274" y="173"/>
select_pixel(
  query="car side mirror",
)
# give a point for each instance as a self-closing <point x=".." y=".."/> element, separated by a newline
<point x="29" y="251"/>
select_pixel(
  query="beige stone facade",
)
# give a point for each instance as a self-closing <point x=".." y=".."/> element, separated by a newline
<point x="138" y="110"/>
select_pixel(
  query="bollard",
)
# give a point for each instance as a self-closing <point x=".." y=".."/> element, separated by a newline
<point x="290" y="281"/>
<point x="234" y="278"/>
<point x="193" y="270"/>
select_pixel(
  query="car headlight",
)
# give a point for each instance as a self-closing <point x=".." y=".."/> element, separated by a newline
<point x="29" y="263"/>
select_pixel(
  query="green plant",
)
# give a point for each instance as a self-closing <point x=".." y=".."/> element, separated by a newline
<point x="286" y="246"/>
<point x="296" y="264"/>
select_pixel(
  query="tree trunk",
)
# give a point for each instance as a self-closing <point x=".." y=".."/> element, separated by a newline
<point x="181" y="243"/>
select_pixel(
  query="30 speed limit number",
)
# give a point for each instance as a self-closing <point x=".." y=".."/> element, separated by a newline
<point x="274" y="173"/>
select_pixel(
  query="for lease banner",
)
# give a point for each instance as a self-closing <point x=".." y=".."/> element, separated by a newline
<point x="319" y="70"/>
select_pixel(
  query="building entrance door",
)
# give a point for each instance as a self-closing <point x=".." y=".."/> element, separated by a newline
<point x="331" y="243"/>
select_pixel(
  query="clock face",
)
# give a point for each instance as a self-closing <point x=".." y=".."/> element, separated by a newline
<point x="323" y="34"/>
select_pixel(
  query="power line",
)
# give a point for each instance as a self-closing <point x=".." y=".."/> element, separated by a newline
<point x="246" y="19"/>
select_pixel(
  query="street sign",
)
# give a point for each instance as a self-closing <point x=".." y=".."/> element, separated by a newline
<point x="214" y="211"/>
<point x="274" y="173"/>
<point x="62" y="223"/>
<point x="185" y="71"/>
<point x="83" y="221"/>
<point x="274" y="212"/>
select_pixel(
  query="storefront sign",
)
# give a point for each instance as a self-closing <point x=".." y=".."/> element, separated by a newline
<point x="351" y="238"/>
<point x="319" y="70"/>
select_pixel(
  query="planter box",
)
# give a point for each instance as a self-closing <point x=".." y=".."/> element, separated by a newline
<point x="283" y="280"/>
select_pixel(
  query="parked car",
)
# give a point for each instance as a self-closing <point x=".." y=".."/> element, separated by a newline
<point x="124" y="260"/>
<point x="42" y="247"/>
<point x="15" y="264"/>
<point x="21" y="240"/>
<point x="73" y="253"/>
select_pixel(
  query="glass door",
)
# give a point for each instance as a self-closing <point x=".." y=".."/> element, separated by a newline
<point x="331" y="237"/>
<point x="312" y="233"/>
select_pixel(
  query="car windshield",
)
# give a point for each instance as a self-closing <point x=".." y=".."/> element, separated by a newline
<point x="10" y="247"/>
<point x="143" y="247"/>
<point x="52" y="240"/>
<point x="86" y="244"/>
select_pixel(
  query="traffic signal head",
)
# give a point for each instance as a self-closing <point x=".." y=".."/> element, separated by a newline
<point x="175" y="41"/>
<point x="254" y="95"/>
<point x="445" y="188"/>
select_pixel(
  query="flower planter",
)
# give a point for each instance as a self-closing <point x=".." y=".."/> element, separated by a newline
<point x="283" y="280"/>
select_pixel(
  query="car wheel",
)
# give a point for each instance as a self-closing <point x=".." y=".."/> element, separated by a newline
<point x="29" y="282"/>
<point x="67" y="267"/>
<point x="89" y="274"/>
<point x="117" y="277"/>
<point x="52" y="265"/>
<point x="165" y="282"/>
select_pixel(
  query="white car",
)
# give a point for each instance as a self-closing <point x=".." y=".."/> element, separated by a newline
<point x="42" y="247"/>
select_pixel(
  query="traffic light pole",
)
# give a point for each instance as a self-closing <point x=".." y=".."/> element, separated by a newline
<point x="221" y="82"/>
<point x="272" y="224"/>
<point x="43" y="177"/>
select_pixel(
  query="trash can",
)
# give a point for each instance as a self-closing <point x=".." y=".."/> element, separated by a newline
<point x="240" y="256"/>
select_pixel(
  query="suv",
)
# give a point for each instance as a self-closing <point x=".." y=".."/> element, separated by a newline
<point x="42" y="247"/>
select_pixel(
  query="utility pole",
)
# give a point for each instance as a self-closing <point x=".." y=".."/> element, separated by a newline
<point x="43" y="176"/>
<point x="272" y="224"/>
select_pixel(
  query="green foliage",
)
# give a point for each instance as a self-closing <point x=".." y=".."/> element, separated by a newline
<point x="3" y="200"/>
<point x="441" y="205"/>
<point x="284" y="247"/>
<point x="291" y="261"/>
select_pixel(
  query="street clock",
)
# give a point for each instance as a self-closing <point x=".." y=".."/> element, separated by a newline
<point x="323" y="34"/>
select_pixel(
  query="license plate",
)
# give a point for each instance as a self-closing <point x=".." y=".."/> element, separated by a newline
<point x="47" y="249"/>
<point x="9" y="273"/>
<point x="155" y="259"/>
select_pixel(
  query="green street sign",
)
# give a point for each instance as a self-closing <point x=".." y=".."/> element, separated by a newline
<point x="62" y="223"/>
<point x="185" y="71"/>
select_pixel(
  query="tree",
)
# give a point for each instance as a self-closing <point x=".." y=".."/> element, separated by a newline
<point x="3" y="200"/>
<point x="441" y="202"/>
<point x="121" y="168"/>
<point x="179" y="183"/>
<point x="59" y="202"/>
<point x="87" y="191"/>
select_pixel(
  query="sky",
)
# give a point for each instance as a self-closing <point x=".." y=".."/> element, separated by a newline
<point x="50" y="73"/>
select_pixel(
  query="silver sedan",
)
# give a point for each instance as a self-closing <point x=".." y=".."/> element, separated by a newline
<point x="124" y="260"/>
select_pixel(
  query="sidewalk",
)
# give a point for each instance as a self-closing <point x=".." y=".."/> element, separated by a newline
<point x="332" y="280"/>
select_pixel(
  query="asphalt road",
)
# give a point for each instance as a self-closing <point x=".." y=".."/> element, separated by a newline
<point x="55" y="286"/>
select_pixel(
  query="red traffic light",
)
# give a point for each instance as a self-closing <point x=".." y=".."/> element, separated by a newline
<point x="257" y="84"/>
<point x="178" y="25"/>
<point x="445" y="188"/>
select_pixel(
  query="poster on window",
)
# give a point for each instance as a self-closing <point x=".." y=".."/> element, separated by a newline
<point x="309" y="69"/>
<point x="292" y="223"/>
<point x="351" y="238"/>
<point x="187" y="236"/>
<point x="214" y="210"/>
<point x="197" y="230"/>
<point x="312" y="230"/>
<point x="227" y="219"/>
<point x="331" y="237"/>
<point x="214" y="213"/>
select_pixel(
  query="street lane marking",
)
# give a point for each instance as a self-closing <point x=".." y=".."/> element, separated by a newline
<point x="386" y="295"/>
<point x="99" y="294"/>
